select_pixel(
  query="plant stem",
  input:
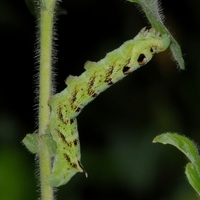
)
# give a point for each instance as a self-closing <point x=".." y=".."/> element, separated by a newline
<point x="45" y="90"/>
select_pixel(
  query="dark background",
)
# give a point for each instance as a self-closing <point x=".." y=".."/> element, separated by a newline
<point x="116" y="130"/>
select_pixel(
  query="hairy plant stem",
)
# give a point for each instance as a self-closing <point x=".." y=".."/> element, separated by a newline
<point x="45" y="90"/>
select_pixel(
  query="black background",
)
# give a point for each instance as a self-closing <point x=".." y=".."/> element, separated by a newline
<point x="116" y="130"/>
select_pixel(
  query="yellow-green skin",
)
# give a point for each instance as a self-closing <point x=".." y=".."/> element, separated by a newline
<point x="66" y="105"/>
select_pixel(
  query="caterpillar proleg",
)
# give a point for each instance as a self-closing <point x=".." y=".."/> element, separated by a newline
<point x="98" y="76"/>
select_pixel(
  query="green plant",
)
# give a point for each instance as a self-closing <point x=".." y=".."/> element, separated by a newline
<point x="189" y="148"/>
<point x="42" y="143"/>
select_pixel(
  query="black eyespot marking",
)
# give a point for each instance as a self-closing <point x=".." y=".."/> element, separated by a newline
<point x="126" y="70"/>
<point x="141" y="59"/>
<point x="78" y="109"/>
<point x="94" y="95"/>
<point x="72" y="121"/>
<point x="153" y="50"/>
<point x="75" y="142"/>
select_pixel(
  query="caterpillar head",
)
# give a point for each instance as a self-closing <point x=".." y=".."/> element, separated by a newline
<point x="145" y="45"/>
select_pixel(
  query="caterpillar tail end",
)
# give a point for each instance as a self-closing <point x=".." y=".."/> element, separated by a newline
<point x="83" y="170"/>
<point x="57" y="180"/>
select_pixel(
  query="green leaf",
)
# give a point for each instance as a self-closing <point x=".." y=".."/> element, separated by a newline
<point x="193" y="177"/>
<point x="188" y="147"/>
<point x="31" y="142"/>
<point x="182" y="143"/>
<point x="176" y="53"/>
<point x="152" y="9"/>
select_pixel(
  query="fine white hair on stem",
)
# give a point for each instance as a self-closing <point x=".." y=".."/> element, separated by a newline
<point x="154" y="7"/>
<point x="37" y="56"/>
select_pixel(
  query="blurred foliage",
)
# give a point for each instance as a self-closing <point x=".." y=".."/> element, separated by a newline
<point x="116" y="130"/>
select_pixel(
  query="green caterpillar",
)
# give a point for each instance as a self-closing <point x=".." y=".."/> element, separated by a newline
<point x="66" y="105"/>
